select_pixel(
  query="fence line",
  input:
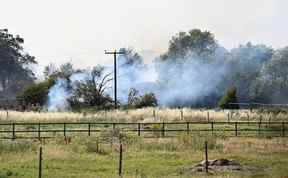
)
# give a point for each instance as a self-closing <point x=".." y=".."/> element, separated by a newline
<point x="140" y="128"/>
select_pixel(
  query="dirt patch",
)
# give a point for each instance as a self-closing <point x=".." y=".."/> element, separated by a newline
<point x="217" y="165"/>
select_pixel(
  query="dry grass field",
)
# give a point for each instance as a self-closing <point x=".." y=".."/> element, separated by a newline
<point x="98" y="155"/>
<point x="141" y="115"/>
<point x="159" y="157"/>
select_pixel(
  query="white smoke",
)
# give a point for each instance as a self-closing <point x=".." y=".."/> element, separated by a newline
<point x="60" y="93"/>
<point x="173" y="83"/>
<point x="58" y="96"/>
<point x="190" y="82"/>
<point x="78" y="77"/>
<point x="141" y="77"/>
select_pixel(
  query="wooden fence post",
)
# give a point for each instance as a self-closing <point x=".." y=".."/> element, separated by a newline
<point x="283" y="129"/>
<point x="120" y="160"/>
<point x="269" y="121"/>
<point x="39" y="131"/>
<point x="212" y="127"/>
<point x="89" y="129"/>
<point x="64" y="129"/>
<point x="259" y="127"/>
<point x="181" y="114"/>
<point x="236" y="129"/>
<point x="13" y="131"/>
<point x="139" y="129"/>
<point x="228" y="117"/>
<point x="206" y="157"/>
<point x="187" y="128"/>
<point x="113" y="127"/>
<point x="163" y="129"/>
<point x="97" y="145"/>
<point x="40" y="162"/>
<point x="7" y="113"/>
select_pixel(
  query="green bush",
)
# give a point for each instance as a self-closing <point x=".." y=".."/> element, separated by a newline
<point x="6" y="174"/>
<point x="137" y="101"/>
<point x="147" y="100"/>
<point x="36" y="94"/>
<point x="228" y="98"/>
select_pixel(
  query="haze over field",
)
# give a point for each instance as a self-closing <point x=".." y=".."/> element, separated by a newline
<point x="176" y="53"/>
<point x="144" y="88"/>
<point x="79" y="31"/>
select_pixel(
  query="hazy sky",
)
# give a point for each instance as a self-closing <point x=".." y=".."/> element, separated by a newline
<point x="80" y="30"/>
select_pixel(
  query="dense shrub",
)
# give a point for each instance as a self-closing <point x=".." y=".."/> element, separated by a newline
<point x="139" y="101"/>
<point x="147" y="100"/>
<point x="6" y="173"/>
<point x="229" y="100"/>
<point x="36" y="94"/>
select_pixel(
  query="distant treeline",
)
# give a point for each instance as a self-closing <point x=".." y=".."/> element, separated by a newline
<point x="195" y="71"/>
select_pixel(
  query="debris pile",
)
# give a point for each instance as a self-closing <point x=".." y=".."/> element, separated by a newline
<point x="216" y="165"/>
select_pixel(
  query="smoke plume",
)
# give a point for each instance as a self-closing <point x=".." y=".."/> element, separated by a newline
<point x="61" y="92"/>
<point x="175" y="81"/>
<point x="58" y="96"/>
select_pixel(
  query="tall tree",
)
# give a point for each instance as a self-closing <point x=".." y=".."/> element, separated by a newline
<point x="189" y="66"/>
<point x="183" y="48"/>
<point x="64" y="71"/>
<point x="91" y="91"/>
<point x="272" y="84"/>
<point x="194" y="43"/>
<point x="245" y="64"/>
<point x="15" y="73"/>
<point x="130" y="57"/>
<point x="49" y="70"/>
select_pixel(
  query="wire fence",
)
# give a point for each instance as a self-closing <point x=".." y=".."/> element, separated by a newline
<point x="153" y="129"/>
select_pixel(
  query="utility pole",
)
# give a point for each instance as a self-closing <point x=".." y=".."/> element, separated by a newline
<point x="115" y="74"/>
